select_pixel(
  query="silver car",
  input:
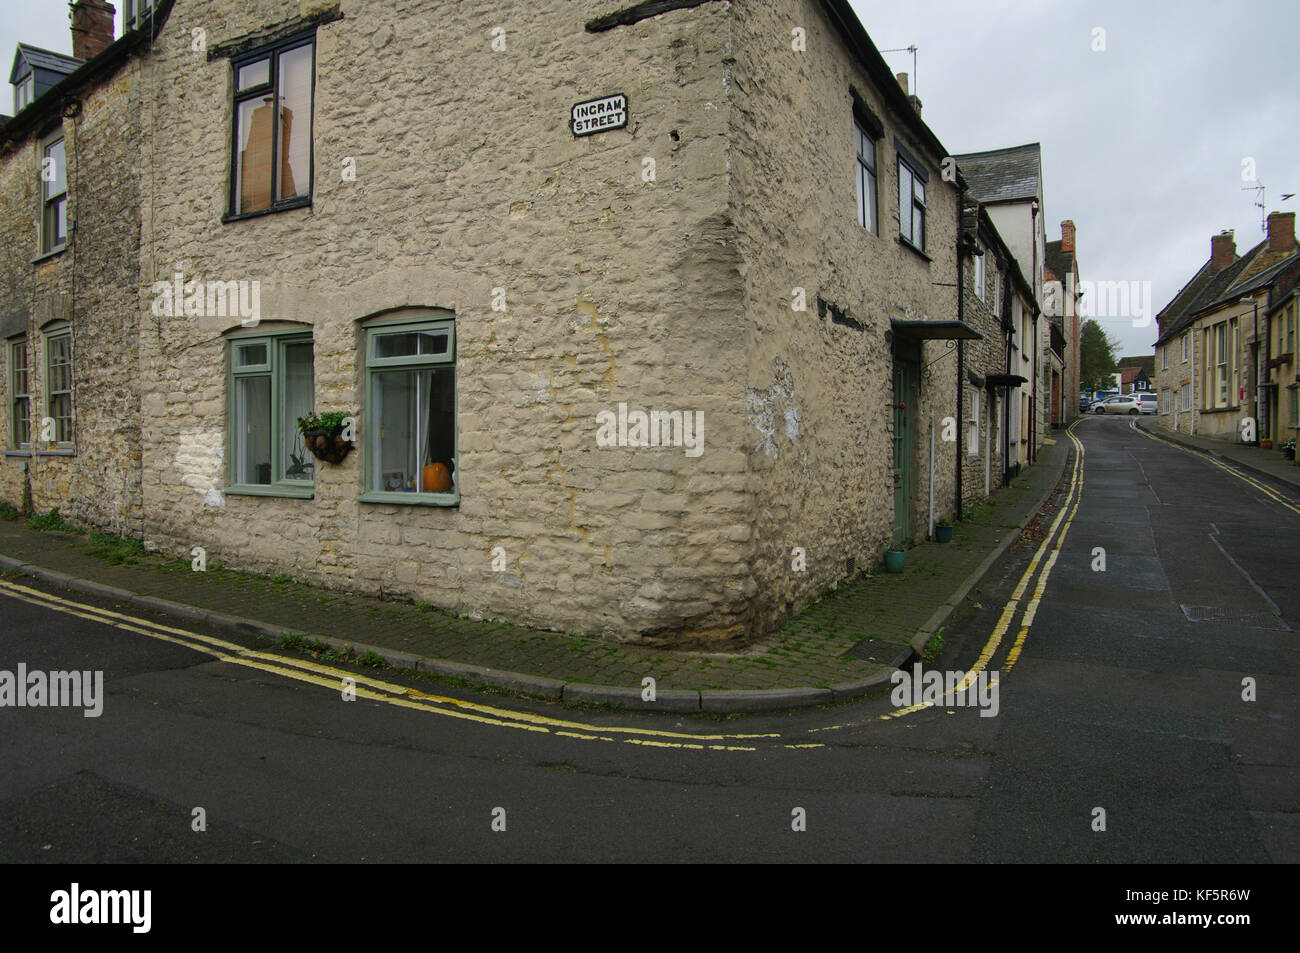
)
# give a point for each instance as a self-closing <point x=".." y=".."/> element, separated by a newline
<point x="1148" y="402"/>
<point x="1124" y="404"/>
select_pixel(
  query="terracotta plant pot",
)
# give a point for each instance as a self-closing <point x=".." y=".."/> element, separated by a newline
<point x="436" y="478"/>
<point x="1266" y="443"/>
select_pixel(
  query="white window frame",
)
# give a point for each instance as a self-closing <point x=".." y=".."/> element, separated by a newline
<point x="53" y="243"/>
<point x="973" y="424"/>
<point x="63" y="441"/>
<point x="979" y="272"/>
<point x="1164" y="357"/>
<point x="1186" y="335"/>
<point x="19" y="425"/>
<point x="916" y="205"/>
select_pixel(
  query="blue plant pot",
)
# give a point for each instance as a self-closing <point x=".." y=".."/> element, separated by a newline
<point x="943" y="533"/>
<point x="894" y="559"/>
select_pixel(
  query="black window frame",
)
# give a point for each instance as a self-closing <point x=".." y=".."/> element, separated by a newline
<point x="272" y="52"/>
<point x="914" y="176"/>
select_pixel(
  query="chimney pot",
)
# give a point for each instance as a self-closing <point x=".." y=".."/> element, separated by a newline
<point x="1281" y="232"/>
<point x="902" y="80"/>
<point x="1223" y="251"/>
<point x="92" y="27"/>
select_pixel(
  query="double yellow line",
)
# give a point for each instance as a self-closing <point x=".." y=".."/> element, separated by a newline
<point x="376" y="689"/>
<point x="1266" y="490"/>
<point x="1042" y="557"/>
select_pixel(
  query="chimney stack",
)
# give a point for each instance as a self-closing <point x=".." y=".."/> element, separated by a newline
<point x="1223" y="251"/>
<point x="1281" y="232"/>
<point x="902" y="80"/>
<point x="1067" y="235"/>
<point x="92" y="27"/>
<point x="914" y="100"/>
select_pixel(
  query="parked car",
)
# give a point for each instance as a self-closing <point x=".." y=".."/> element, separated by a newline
<point x="1124" y="404"/>
<point x="1148" y="402"/>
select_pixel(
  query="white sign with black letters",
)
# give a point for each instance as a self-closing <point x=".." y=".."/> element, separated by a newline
<point x="599" y="115"/>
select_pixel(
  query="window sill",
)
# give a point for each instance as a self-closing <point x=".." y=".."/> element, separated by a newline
<point x="18" y="453"/>
<point x="304" y="202"/>
<point x="63" y="452"/>
<point x="444" y="500"/>
<point x="53" y="252"/>
<point x="906" y="244"/>
<point x="278" y="490"/>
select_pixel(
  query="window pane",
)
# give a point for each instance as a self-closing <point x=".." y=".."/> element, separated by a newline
<point x="252" y="464"/>
<point x="415" y="413"/>
<point x="253" y="168"/>
<point x="411" y="343"/>
<point x="252" y="355"/>
<point x="918" y="226"/>
<point x="57" y="165"/>
<point x="295" y="122"/>
<point x="861" y="188"/>
<point x="299" y="398"/>
<point x="254" y="74"/>
<point x="904" y="202"/>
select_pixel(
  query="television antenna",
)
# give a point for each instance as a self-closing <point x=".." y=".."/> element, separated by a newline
<point x="908" y="49"/>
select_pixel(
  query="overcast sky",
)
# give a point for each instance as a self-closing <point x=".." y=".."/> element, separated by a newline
<point x="1143" y="142"/>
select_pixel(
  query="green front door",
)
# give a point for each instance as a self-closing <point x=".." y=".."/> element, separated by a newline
<point x="902" y="452"/>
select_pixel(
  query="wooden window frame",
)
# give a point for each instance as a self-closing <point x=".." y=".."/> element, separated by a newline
<point x="274" y="368"/>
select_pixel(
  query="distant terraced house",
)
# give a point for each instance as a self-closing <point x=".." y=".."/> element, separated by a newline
<point x="459" y="280"/>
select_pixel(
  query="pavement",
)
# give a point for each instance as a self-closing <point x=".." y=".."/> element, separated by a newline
<point x="1266" y="463"/>
<point x="838" y="648"/>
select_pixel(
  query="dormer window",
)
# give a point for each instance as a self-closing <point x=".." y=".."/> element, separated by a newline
<point x="136" y="14"/>
<point x="24" y="93"/>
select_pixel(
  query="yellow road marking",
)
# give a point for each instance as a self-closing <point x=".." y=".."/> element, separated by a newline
<point x="1266" y="490"/>
<point x="367" y="687"/>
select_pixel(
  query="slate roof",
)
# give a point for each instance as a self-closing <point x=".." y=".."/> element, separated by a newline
<point x="1003" y="175"/>
<point x="1143" y="362"/>
<point x="1056" y="260"/>
<point x="38" y="58"/>
<point x="1251" y="272"/>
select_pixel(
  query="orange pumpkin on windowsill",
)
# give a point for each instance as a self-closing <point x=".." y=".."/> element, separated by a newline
<point x="435" y="478"/>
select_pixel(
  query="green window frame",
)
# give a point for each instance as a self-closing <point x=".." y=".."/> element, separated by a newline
<point x="20" y="401"/>
<point x="54" y="194"/>
<point x="58" y="387"/>
<point x="411" y="410"/>
<point x="271" y="385"/>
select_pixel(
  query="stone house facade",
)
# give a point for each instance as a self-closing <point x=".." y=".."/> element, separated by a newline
<point x="69" y="164"/>
<point x="642" y="319"/>
<point x="1213" y="354"/>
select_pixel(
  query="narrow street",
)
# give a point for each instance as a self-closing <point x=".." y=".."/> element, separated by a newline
<point x="1125" y="695"/>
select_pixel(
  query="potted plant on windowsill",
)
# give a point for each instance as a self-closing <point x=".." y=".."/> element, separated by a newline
<point x="323" y="435"/>
<point x="943" y="531"/>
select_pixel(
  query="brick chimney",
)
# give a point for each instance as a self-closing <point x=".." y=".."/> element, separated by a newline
<point x="914" y="100"/>
<point x="1281" y="231"/>
<point x="92" y="27"/>
<point x="1223" y="251"/>
<point x="1067" y="235"/>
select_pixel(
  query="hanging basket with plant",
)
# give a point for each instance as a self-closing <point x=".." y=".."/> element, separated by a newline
<point x="323" y="435"/>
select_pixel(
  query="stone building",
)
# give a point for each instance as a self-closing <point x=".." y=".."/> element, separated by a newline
<point x="1212" y="360"/>
<point x="640" y="318"/>
<point x="69" y="162"/>
<point x="1061" y="294"/>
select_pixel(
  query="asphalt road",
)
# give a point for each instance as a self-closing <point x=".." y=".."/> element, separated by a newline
<point x="1118" y="700"/>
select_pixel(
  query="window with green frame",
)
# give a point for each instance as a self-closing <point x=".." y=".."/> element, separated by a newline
<point x="410" y="411"/>
<point x="58" y="386"/>
<point x="271" y="386"/>
<point x="20" y="409"/>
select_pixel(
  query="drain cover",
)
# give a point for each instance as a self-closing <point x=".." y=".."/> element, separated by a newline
<point x="1256" y="620"/>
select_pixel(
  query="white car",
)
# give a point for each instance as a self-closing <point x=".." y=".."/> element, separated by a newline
<point x="1124" y="404"/>
<point x="1148" y="402"/>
